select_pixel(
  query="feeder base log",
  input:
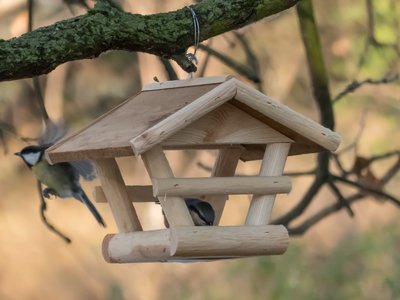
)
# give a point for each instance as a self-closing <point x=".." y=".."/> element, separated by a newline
<point x="195" y="243"/>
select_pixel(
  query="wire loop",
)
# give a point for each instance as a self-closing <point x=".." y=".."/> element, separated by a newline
<point x="196" y="28"/>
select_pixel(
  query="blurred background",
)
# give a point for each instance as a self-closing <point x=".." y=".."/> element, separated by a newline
<point x="338" y="258"/>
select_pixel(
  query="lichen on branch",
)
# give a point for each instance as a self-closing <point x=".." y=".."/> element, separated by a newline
<point x="105" y="27"/>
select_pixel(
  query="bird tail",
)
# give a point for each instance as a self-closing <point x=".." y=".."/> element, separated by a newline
<point x="85" y="200"/>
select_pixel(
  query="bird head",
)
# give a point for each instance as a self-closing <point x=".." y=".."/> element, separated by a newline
<point x="31" y="155"/>
<point x="201" y="212"/>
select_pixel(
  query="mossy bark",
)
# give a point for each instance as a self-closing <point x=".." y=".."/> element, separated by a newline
<point x="107" y="28"/>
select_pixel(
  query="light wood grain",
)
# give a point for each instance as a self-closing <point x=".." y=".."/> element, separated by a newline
<point x="221" y="186"/>
<point x="114" y="188"/>
<point x="228" y="241"/>
<point x="109" y="135"/>
<point x="143" y="246"/>
<point x="225" y="165"/>
<point x="272" y="165"/>
<point x="287" y="117"/>
<point x="225" y="125"/>
<point x="136" y="193"/>
<point x="184" y="83"/>
<point x="183" y="117"/>
<point x="153" y="116"/>
<point x="174" y="208"/>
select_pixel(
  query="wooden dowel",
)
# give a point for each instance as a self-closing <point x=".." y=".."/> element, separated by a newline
<point x="174" y="208"/>
<point x="272" y="165"/>
<point x="261" y="185"/>
<point x="114" y="189"/>
<point x="229" y="241"/>
<point x="136" y="193"/>
<point x="225" y="165"/>
<point x="141" y="246"/>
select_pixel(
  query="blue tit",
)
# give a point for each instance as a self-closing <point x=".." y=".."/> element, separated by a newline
<point x="201" y="212"/>
<point x="62" y="179"/>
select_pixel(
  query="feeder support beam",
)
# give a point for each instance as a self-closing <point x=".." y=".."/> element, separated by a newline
<point x="225" y="165"/>
<point x="174" y="208"/>
<point x="272" y="165"/>
<point x="114" y="189"/>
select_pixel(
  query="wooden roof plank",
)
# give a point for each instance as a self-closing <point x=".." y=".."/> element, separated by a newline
<point x="287" y="117"/>
<point x="183" y="117"/>
<point x="110" y="134"/>
<point x="184" y="83"/>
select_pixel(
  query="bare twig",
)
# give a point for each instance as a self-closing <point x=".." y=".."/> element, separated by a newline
<point x="341" y="199"/>
<point x="45" y="116"/>
<point x="357" y="84"/>
<point x="384" y="155"/>
<point x="303" y="204"/>
<point x="390" y="173"/>
<point x="336" y="159"/>
<point x="9" y="129"/>
<point x="169" y="69"/>
<point x="322" y="214"/>
<point x="370" y="190"/>
<point x="251" y="58"/>
<point x="358" y="136"/>
<point x="204" y="66"/>
<point x="240" y="68"/>
<point x="43" y="208"/>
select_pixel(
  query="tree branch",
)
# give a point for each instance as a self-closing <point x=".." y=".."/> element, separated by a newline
<point x="106" y="28"/>
<point x="357" y="84"/>
<point x="322" y="214"/>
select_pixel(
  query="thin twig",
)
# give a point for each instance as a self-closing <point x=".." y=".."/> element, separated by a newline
<point x="43" y="207"/>
<point x="384" y="155"/>
<point x="204" y="66"/>
<point x="341" y="199"/>
<point x="322" y="214"/>
<point x="357" y="84"/>
<point x="390" y="173"/>
<point x="343" y="171"/>
<point x="9" y="129"/>
<point x="251" y="58"/>
<point x="303" y="204"/>
<point x="240" y="68"/>
<point x="376" y="192"/>
<point x="169" y="69"/>
<point x="358" y="136"/>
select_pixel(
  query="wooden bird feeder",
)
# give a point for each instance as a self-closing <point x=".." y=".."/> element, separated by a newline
<point x="205" y="113"/>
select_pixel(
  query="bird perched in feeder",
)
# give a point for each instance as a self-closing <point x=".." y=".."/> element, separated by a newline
<point x="62" y="179"/>
<point x="201" y="212"/>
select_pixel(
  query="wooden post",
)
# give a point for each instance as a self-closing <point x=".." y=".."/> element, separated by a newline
<point x="191" y="243"/>
<point x="114" y="189"/>
<point x="228" y="241"/>
<point x="225" y="165"/>
<point x="174" y="208"/>
<point x="272" y="165"/>
<point x="261" y="185"/>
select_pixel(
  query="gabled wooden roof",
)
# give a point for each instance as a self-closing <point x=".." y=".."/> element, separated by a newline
<point x="162" y="109"/>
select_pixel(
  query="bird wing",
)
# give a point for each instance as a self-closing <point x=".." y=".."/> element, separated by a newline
<point x="52" y="133"/>
<point x="85" y="169"/>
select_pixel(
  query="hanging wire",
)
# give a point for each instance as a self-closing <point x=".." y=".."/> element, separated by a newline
<point x="196" y="28"/>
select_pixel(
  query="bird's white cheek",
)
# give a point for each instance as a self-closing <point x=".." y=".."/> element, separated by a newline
<point x="32" y="158"/>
